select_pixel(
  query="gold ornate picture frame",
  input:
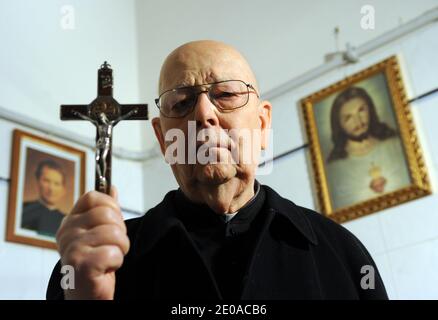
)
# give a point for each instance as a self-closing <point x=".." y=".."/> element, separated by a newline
<point x="364" y="149"/>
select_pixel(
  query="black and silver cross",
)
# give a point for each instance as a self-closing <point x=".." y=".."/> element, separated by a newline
<point x="104" y="112"/>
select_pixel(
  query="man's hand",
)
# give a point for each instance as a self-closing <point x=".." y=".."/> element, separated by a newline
<point x="93" y="240"/>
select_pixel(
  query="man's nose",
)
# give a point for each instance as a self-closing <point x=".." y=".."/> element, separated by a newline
<point x="205" y="115"/>
<point x="358" y="120"/>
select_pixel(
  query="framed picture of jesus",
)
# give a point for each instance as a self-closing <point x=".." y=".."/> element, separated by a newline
<point x="364" y="149"/>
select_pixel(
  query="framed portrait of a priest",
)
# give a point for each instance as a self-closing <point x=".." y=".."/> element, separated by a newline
<point x="47" y="177"/>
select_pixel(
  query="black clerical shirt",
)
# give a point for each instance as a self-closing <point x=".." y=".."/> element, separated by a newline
<point x="271" y="249"/>
<point x="37" y="217"/>
<point x="226" y="247"/>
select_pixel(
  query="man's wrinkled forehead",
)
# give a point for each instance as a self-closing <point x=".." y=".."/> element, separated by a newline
<point x="203" y="62"/>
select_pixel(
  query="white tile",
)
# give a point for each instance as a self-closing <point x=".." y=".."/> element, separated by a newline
<point x="419" y="53"/>
<point x="290" y="178"/>
<point x="49" y="259"/>
<point x="411" y="222"/>
<point x="415" y="270"/>
<point x="22" y="267"/>
<point x="158" y="180"/>
<point x="286" y="129"/>
<point x="382" y="263"/>
<point x="127" y="176"/>
<point x="20" y="272"/>
<point x="369" y="232"/>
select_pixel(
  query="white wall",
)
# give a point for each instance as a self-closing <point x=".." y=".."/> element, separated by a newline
<point x="281" y="39"/>
<point x="401" y="239"/>
<point x="43" y="66"/>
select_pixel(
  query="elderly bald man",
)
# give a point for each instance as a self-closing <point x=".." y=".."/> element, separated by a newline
<point x="221" y="235"/>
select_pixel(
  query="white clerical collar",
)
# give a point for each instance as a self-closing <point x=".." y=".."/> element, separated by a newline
<point x="51" y="208"/>
<point x="229" y="216"/>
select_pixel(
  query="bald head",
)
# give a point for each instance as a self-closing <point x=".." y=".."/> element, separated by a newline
<point x="204" y="61"/>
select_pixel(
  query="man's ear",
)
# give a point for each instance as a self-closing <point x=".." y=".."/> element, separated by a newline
<point x="265" y="113"/>
<point x="156" y="124"/>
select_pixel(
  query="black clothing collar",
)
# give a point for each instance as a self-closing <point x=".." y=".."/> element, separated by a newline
<point x="163" y="219"/>
<point x="196" y="217"/>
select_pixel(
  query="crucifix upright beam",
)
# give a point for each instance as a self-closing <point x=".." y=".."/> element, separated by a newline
<point x="104" y="112"/>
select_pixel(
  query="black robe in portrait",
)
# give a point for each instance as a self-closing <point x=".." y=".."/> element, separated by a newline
<point x="288" y="252"/>
<point x="39" y="218"/>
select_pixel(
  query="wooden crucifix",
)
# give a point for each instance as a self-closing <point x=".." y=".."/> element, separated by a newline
<point x="104" y="112"/>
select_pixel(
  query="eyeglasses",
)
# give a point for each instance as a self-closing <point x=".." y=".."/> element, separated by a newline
<point x="226" y="95"/>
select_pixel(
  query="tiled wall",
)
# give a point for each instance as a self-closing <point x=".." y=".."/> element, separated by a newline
<point x="403" y="240"/>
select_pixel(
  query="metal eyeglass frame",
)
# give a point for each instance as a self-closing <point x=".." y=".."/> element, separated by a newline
<point x="248" y="86"/>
